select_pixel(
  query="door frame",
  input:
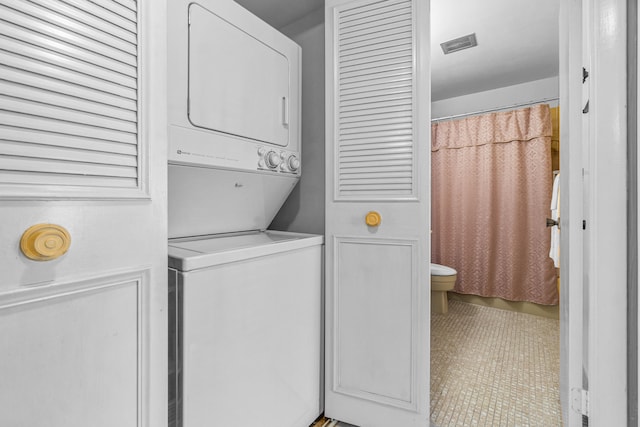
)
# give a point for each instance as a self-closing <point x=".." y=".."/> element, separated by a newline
<point x="632" y="210"/>
<point x="571" y="209"/>
<point x="606" y="179"/>
<point x="594" y="274"/>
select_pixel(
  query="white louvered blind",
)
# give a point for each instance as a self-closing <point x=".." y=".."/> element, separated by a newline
<point x="69" y="96"/>
<point x="375" y="67"/>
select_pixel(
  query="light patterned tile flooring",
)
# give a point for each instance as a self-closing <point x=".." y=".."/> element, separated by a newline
<point x="491" y="367"/>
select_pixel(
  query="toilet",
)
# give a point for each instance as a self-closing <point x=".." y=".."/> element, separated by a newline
<point x="443" y="279"/>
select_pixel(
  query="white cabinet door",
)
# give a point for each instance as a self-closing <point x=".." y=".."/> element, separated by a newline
<point x="83" y="146"/>
<point x="378" y="151"/>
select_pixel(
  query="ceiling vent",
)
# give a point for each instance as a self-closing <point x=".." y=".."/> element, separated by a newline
<point x="461" y="43"/>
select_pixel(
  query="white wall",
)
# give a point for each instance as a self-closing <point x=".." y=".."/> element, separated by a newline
<point x="497" y="98"/>
<point x="304" y="209"/>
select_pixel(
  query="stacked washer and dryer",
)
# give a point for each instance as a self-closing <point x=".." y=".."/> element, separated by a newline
<point x="245" y="302"/>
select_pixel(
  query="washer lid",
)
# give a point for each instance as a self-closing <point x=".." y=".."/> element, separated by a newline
<point x="206" y="251"/>
<point x="442" y="270"/>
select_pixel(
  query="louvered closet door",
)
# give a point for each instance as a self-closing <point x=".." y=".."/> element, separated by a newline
<point x="69" y="96"/>
<point x="377" y="278"/>
<point x="83" y="147"/>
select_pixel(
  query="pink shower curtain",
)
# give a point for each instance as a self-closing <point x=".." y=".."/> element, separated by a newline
<point x="491" y="190"/>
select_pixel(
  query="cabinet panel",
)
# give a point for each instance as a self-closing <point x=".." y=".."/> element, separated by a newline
<point x="71" y="351"/>
<point x="375" y="286"/>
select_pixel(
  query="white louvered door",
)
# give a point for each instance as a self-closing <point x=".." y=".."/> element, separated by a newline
<point x="377" y="277"/>
<point x="69" y="96"/>
<point x="83" y="146"/>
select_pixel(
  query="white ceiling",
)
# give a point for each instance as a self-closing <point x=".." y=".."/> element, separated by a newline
<point x="279" y="13"/>
<point x="517" y="43"/>
<point x="517" y="40"/>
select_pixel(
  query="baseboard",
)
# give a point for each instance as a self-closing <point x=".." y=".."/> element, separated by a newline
<point x="549" y="311"/>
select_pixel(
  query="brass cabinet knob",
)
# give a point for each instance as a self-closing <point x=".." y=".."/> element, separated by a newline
<point x="45" y="242"/>
<point x="373" y="219"/>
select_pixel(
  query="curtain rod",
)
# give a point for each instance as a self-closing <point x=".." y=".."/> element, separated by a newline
<point x="491" y="110"/>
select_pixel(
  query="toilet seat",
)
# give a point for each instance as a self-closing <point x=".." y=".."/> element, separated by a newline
<point x="442" y="270"/>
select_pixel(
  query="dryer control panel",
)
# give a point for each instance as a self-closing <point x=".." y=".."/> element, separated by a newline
<point x="278" y="160"/>
<point x="195" y="147"/>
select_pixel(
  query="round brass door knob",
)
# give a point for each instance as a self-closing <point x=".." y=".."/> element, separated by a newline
<point x="373" y="219"/>
<point x="45" y="242"/>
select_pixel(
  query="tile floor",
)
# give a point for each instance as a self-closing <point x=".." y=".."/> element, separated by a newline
<point x="491" y="367"/>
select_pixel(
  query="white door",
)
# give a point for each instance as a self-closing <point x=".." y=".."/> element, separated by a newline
<point x="83" y="146"/>
<point x="378" y="172"/>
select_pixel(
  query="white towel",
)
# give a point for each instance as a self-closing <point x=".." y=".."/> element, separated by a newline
<point x="554" y="251"/>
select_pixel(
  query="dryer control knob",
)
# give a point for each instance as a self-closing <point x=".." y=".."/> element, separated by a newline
<point x="261" y="151"/>
<point x="294" y="163"/>
<point x="272" y="160"/>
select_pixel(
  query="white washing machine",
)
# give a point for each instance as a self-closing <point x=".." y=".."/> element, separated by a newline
<point x="245" y="317"/>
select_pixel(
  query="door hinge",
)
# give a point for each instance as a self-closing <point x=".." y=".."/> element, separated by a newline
<point x="580" y="401"/>
<point x="585" y="76"/>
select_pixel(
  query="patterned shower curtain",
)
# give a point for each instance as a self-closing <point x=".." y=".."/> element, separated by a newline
<point x="491" y="191"/>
